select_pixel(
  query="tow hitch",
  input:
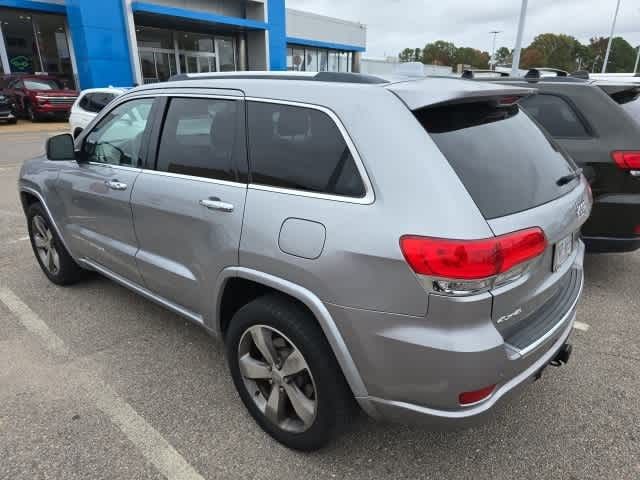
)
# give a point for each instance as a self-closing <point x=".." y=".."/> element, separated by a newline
<point x="563" y="355"/>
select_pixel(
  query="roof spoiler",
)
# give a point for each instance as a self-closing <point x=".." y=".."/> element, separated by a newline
<point x="621" y="92"/>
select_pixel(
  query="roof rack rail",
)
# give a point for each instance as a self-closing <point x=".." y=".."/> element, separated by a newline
<point x="583" y="74"/>
<point x="538" y="71"/>
<point x="471" y="73"/>
<point x="337" y="77"/>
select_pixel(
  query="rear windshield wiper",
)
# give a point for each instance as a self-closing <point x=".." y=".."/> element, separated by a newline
<point x="568" y="178"/>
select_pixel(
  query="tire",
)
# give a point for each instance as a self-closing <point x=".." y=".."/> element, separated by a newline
<point x="58" y="266"/>
<point x="13" y="121"/>
<point x="323" y="384"/>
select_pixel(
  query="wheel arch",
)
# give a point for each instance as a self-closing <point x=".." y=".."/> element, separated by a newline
<point x="301" y="295"/>
<point x="28" y="196"/>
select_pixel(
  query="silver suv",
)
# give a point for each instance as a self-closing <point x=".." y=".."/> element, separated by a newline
<point x="410" y="244"/>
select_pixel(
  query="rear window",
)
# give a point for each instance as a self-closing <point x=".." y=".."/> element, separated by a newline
<point x="506" y="163"/>
<point x="555" y="115"/>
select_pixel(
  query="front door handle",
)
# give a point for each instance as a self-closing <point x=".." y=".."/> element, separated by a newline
<point x="214" y="203"/>
<point x="115" y="185"/>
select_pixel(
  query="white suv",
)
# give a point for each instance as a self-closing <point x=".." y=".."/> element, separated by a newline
<point x="89" y="104"/>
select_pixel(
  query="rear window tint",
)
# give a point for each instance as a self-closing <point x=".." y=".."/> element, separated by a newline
<point x="555" y="115"/>
<point x="505" y="161"/>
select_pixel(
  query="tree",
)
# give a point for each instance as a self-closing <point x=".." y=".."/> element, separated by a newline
<point x="622" y="57"/>
<point x="406" y="55"/>
<point x="472" y="57"/>
<point x="417" y="55"/>
<point x="531" y="57"/>
<point x="439" y="53"/>
<point x="503" y="56"/>
<point x="557" y="51"/>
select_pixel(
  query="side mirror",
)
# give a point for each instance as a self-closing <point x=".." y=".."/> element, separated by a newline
<point x="61" y="147"/>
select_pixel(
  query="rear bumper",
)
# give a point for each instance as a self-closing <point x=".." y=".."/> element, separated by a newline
<point x="612" y="224"/>
<point x="403" y="412"/>
<point x="414" y="368"/>
<point x="611" y="244"/>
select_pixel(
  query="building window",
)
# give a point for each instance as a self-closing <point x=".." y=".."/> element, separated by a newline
<point x="309" y="59"/>
<point x="164" y="53"/>
<point x="37" y="43"/>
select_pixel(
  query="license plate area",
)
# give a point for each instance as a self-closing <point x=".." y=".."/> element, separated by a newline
<point x="562" y="251"/>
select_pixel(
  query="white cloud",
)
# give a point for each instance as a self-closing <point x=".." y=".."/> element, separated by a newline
<point x="395" y="24"/>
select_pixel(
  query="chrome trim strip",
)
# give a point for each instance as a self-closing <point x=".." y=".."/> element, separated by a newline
<point x="51" y="219"/>
<point x="117" y="167"/>
<point x="484" y="405"/>
<point x="195" y="318"/>
<point x="226" y="183"/>
<point x="302" y="193"/>
<point x="555" y="328"/>
<point x="369" y="196"/>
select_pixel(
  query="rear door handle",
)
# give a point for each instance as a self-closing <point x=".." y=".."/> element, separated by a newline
<point x="115" y="185"/>
<point x="214" y="203"/>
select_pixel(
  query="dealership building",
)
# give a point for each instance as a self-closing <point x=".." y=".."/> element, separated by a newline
<point x="95" y="43"/>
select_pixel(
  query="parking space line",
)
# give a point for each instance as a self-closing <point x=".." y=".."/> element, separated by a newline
<point x="583" y="327"/>
<point x="18" y="240"/>
<point x="32" y="322"/>
<point x="147" y="439"/>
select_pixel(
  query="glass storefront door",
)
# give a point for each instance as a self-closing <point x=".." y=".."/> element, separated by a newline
<point x="36" y="42"/>
<point x="190" y="53"/>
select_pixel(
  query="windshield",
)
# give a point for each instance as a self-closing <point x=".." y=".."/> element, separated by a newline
<point x="42" y="84"/>
<point x="504" y="160"/>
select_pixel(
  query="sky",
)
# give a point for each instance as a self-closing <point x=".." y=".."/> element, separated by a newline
<point x="393" y="25"/>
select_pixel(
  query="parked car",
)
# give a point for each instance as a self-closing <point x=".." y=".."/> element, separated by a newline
<point x="89" y="103"/>
<point x="37" y="97"/>
<point x="6" y="110"/>
<point x="587" y="119"/>
<point x="426" y="265"/>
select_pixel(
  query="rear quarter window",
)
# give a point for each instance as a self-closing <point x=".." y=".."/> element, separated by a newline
<point x="556" y="115"/>
<point x="505" y="161"/>
<point x="301" y="149"/>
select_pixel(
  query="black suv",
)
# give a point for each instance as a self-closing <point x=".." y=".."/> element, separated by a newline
<point x="585" y="117"/>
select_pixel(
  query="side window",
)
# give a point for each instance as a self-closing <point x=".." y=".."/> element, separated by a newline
<point x="85" y="102"/>
<point x="300" y="148"/>
<point x="101" y="100"/>
<point x="201" y="137"/>
<point x="117" y="138"/>
<point x="555" y="115"/>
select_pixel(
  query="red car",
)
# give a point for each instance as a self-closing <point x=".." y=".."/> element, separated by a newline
<point x="38" y="97"/>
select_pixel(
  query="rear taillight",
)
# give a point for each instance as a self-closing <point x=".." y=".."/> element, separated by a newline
<point x="463" y="266"/>
<point x="627" y="160"/>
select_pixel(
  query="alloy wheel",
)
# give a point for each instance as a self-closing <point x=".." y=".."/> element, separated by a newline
<point x="44" y="244"/>
<point x="278" y="378"/>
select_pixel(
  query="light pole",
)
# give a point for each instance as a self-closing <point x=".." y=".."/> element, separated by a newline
<point x="493" y="49"/>
<point x="515" y="64"/>
<point x="635" y="69"/>
<point x="613" y="28"/>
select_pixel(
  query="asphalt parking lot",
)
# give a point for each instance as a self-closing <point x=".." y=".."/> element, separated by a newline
<point x="98" y="383"/>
